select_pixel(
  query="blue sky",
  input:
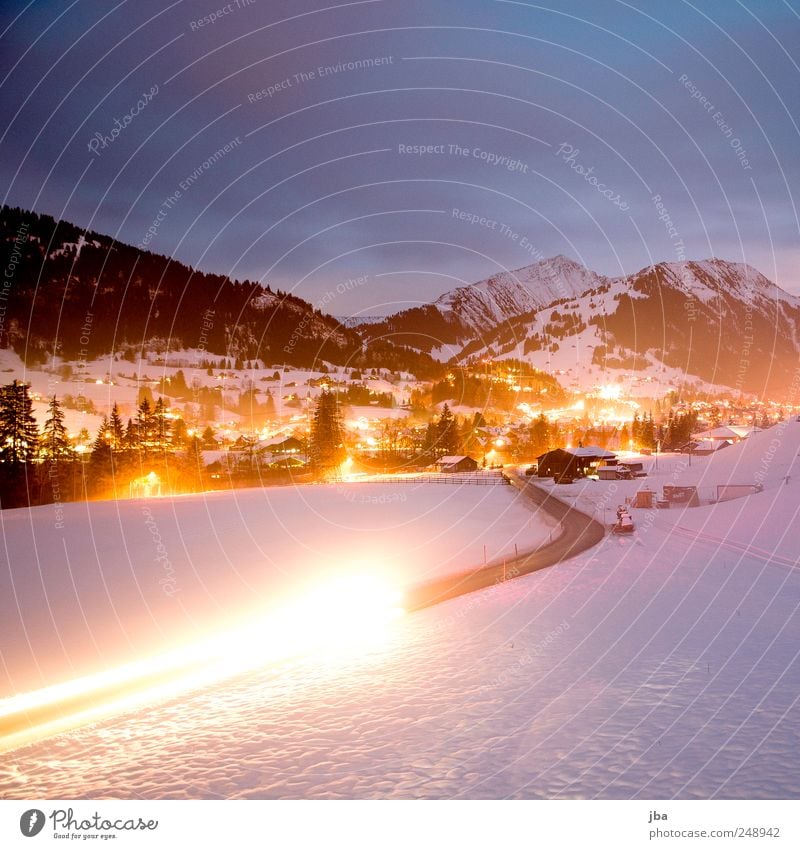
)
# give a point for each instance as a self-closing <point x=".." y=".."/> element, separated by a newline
<point x="573" y="116"/>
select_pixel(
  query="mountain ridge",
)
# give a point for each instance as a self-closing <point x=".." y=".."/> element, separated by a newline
<point x="719" y="321"/>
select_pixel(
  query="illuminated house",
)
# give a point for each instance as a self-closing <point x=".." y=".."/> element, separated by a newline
<point x="572" y="462"/>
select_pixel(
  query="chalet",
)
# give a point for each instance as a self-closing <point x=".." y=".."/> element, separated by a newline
<point x="704" y="447"/>
<point x="709" y="441"/>
<point x="280" y="446"/>
<point x="572" y="462"/>
<point x="725" y="433"/>
<point x="457" y="463"/>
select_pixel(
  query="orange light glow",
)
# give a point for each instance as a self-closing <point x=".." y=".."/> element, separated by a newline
<point x="327" y="624"/>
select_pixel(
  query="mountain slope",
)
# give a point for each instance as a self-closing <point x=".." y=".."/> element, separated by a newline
<point x="82" y="294"/>
<point x="720" y="322"/>
<point x="469" y="312"/>
<point x="513" y="293"/>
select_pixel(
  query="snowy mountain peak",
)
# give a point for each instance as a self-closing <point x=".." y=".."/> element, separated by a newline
<point x="513" y="293"/>
<point x="708" y="279"/>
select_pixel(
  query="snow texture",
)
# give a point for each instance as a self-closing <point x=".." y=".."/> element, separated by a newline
<point x="660" y="665"/>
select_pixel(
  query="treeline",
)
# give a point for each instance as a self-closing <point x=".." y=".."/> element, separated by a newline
<point x="44" y="465"/>
<point x="80" y="295"/>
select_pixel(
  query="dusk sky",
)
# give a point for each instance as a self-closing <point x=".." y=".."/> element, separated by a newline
<point x="556" y="124"/>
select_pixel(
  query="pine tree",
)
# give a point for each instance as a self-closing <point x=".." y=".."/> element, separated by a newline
<point x="116" y="429"/>
<point x="540" y="435"/>
<point x="55" y="443"/>
<point x="636" y="431"/>
<point x="326" y="448"/>
<point x="429" y="442"/>
<point x="101" y="458"/>
<point x="161" y="426"/>
<point x="179" y="436"/>
<point x="194" y="464"/>
<point x="209" y="438"/>
<point x="648" y="432"/>
<point x="19" y="434"/>
<point x="145" y="427"/>
<point x="269" y="407"/>
<point x="131" y="436"/>
<point x="447" y="442"/>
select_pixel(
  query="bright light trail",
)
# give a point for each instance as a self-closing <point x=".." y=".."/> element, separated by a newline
<point x="329" y="623"/>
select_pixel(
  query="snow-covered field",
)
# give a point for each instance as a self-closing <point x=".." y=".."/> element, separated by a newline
<point x="122" y="580"/>
<point x="660" y="665"/>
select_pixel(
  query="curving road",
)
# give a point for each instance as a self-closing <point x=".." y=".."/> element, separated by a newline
<point x="579" y="532"/>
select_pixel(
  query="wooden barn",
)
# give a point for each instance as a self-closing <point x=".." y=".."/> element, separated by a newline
<point x="457" y="463"/>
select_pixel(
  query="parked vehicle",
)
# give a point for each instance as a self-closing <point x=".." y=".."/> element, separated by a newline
<point x="531" y="470"/>
<point x="624" y="523"/>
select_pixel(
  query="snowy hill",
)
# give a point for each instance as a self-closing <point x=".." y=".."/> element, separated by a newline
<point x="720" y="324"/>
<point x="657" y="666"/>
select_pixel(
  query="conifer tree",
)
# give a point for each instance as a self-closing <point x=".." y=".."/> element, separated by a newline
<point x="101" y="456"/>
<point x="116" y="429"/>
<point x="447" y="441"/>
<point x="131" y="436"/>
<point x="327" y="450"/>
<point x="161" y="426"/>
<point x="540" y="435"/>
<point x="55" y="443"/>
<point x="145" y="426"/>
<point x="19" y="435"/>
<point x="429" y="442"/>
